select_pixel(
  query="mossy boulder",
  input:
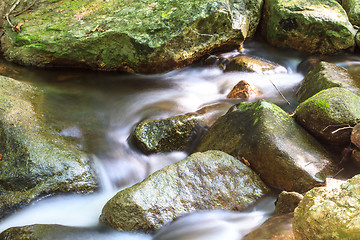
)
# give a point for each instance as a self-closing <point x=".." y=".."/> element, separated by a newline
<point x="327" y="75"/>
<point x="308" y="26"/>
<point x="352" y="8"/>
<point x="326" y="112"/>
<point x="135" y="36"/>
<point x="272" y="143"/>
<point x="329" y="212"/>
<point x="253" y="64"/>
<point x="178" y="133"/>
<point x="358" y="39"/>
<point x="210" y="180"/>
<point x="35" y="161"/>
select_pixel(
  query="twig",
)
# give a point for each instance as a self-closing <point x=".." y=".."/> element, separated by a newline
<point x="15" y="3"/>
<point x="339" y="129"/>
<point x="347" y="126"/>
<point x="25" y="9"/>
<point x="279" y="92"/>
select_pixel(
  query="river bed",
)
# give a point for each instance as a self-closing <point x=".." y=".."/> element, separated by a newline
<point x="98" y="111"/>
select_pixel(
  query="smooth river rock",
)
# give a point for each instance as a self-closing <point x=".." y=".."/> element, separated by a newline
<point x="326" y="113"/>
<point x="265" y="137"/>
<point x="306" y="25"/>
<point x="331" y="212"/>
<point x="210" y="180"/>
<point x="35" y="161"/>
<point x="134" y="36"/>
<point x="177" y="133"/>
<point x="327" y="75"/>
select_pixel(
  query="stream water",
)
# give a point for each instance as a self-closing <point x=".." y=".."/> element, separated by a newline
<point x="98" y="110"/>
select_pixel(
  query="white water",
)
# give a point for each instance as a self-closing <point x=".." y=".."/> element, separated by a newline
<point x="120" y="104"/>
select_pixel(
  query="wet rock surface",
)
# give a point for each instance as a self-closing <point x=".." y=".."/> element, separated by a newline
<point x="177" y="133"/>
<point x="329" y="212"/>
<point x="210" y="180"/>
<point x="327" y="75"/>
<point x="329" y="115"/>
<point x="243" y="90"/>
<point x="270" y="141"/>
<point x="276" y="227"/>
<point x="308" y="26"/>
<point x="106" y="35"/>
<point x="35" y="161"/>
<point x="287" y="202"/>
<point x="252" y="64"/>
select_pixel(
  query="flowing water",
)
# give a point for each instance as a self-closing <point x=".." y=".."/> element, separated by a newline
<point x="98" y="110"/>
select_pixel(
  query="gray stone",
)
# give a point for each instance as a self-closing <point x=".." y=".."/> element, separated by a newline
<point x="327" y="75"/>
<point x="265" y="137"/>
<point x="330" y="114"/>
<point x="210" y="180"/>
<point x="287" y="202"/>
<point x="330" y="212"/>
<point x="307" y="25"/>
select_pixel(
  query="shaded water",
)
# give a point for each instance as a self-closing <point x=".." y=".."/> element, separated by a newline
<point x="97" y="111"/>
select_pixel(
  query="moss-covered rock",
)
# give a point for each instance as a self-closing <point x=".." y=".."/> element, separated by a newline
<point x="210" y="180"/>
<point x="358" y="39"/>
<point x="276" y="147"/>
<point x="35" y="161"/>
<point x="276" y="227"/>
<point x="140" y="36"/>
<point x="329" y="212"/>
<point x="306" y="25"/>
<point x="352" y="8"/>
<point x="329" y="110"/>
<point x="177" y="133"/>
<point x="327" y="75"/>
<point x="253" y="64"/>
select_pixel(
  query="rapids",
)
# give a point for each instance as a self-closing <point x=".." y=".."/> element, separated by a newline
<point x="98" y="110"/>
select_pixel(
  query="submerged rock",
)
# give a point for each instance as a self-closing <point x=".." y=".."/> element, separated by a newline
<point x="35" y="161"/>
<point x="272" y="143"/>
<point x="134" y="36"/>
<point x="177" y="133"/>
<point x="352" y="8"/>
<point x="309" y="26"/>
<point x="329" y="212"/>
<point x="276" y="228"/>
<point x="252" y="64"/>
<point x="327" y="75"/>
<point x="210" y="180"/>
<point x="326" y="113"/>
<point x="243" y="90"/>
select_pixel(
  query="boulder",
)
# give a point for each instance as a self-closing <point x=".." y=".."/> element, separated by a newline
<point x="253" y="64"/>
<point x="355" y="135"/>
<point x="327" y="75"/>
<point x="358" y="39"/>
<point x="35" y="161"/>
<point x="352" y="8"/>
<point x="287" y="202"/>
<point x="308" y="26"/>
<point x="210" y="180"/>
<point x="276" y="228"/>
<point x="329" y="212"/>
<point x="264" y="136"/>
<point x="330" y="114"/>
<point x="243" y="90"/>
<point x="177" y="133"/>
<point x="133" y="36"/>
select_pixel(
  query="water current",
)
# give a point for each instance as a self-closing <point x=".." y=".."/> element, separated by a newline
<point x="98" y="111"/>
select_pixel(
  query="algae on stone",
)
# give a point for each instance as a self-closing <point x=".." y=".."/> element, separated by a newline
<point x="329" y="110"/>
<point x="327" y="75"/>
<point x="330" y="212"/>
<point x="276" y="147"/>
<point x="177" y="133"/>
<point x="352" y="8"/>
<point x="35" y="160"/>
<point x="140" y="36"/>
<point x="306" y="25"/>
<point x="210" y="180"/>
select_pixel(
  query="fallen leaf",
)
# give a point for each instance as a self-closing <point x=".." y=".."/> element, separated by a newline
<point x="17" y="27"/>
